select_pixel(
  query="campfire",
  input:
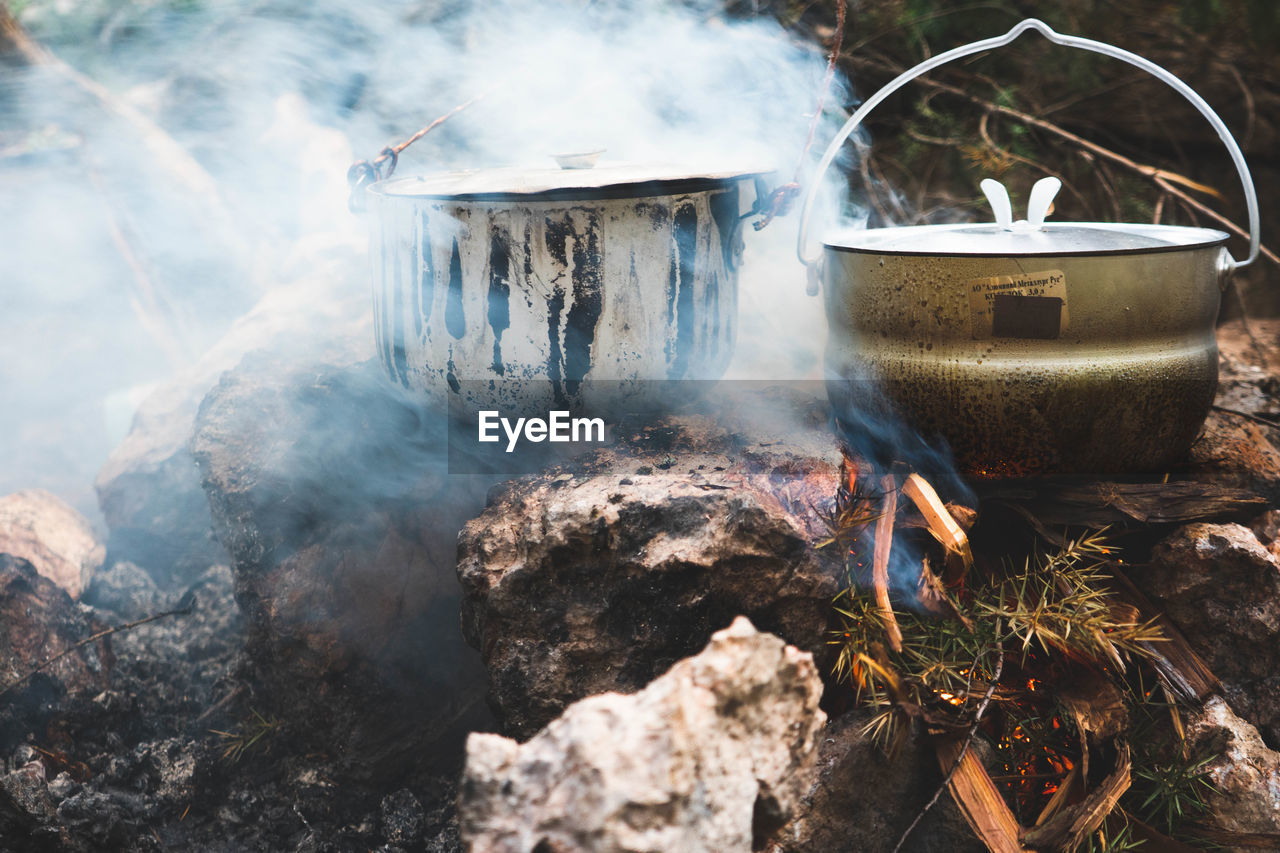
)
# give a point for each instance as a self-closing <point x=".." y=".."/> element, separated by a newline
<point x="1049" y="659"/>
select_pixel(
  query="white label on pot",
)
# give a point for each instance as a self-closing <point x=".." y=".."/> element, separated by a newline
<point x="1026" y="305"/>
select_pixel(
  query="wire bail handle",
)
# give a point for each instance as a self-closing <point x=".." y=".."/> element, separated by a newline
<point x="1237" y="157"/>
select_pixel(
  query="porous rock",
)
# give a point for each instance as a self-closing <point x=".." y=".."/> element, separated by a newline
<point x="1245" y="773"/>
<point x="38" y="621"/>
<point x="712" y="756"/>
<point x="598" y="575"/>
<point x="1233" y="450"/>
<point x="1222" y="588"/>
<point x="327" y="486"/>
<point x="55" y="539"/>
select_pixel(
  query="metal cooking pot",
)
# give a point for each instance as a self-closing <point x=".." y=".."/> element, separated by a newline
<point x="1030" y="347"/>
<point x="555" y="276"/>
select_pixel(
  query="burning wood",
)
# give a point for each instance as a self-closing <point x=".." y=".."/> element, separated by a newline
<point x="880" y="560"/>
<point x="940" y="522"/>
<point x="1070" y="632"/>
<point x="1070" y="827"/>
<point x="1065" y="794"/>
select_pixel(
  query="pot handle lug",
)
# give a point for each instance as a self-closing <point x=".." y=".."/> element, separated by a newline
<point x="1227" y="267"/>
<point x="1237" y="157"/>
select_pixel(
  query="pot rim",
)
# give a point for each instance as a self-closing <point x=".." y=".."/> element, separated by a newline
<point x="600" y="183"/>
<point x="1177" y="238"/>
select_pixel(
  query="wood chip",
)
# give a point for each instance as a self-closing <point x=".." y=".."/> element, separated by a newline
<point x="1177" y="663"/>
<point x="1071" y="826"/>
<point x="980" y="802"/>
<point x="941" y="524"/>
<point x="1056" y="503"/>
<point x="1061" y="798"/>
<point x="880" y="560"/>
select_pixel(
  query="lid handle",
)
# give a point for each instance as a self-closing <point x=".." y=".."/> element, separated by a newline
<point x="1037" y="208"/>
<point x="1041" y="200"/>
<point x="1237" y="157"/>
<point x="998" y="198"/>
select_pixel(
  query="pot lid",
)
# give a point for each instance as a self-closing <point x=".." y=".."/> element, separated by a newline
<point x="1028" y="237"/>
<point x="576" y="179"/>
<point x="990" y="240"/>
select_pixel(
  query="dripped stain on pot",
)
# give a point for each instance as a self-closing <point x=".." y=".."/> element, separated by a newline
<point x="588" y="303"/>
<point x="426" y="276"/>
<point x="499" y="293"/>
<point x="570" y="359"/>
<point x="659" y="214"/>
<point x="450" y="376"/>
<point x="724" y="212"/>
<point x="401" y="369"/>
<point x="529" y="274"/>
<point x="380" y="315"/>
<point x="680" y="288"/>
<point x="555" y="306"/>
<point x="712" y="308"/>
<point x="455" y="318"/>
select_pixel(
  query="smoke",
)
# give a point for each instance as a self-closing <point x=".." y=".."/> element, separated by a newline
<point x="120" y="275"/>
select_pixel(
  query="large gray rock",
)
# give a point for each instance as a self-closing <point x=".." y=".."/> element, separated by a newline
<point x="37" y="527"/>
<point x="1245" y="773"/>
<point x="1222" y="588"/>
<point x="712" y="756"/>
<point x="598" y="575"/>
<point x="329" y="490"/>
<point x="149" y="489"/>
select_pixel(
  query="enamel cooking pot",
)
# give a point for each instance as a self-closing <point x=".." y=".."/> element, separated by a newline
<point x="513" y="287"/>
<point x="1031" y="347"/>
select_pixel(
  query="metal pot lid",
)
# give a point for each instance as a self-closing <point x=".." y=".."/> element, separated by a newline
<point x="1028" y="237"/>
<point x="576" y="180"/>
<point x="990" y="240"/>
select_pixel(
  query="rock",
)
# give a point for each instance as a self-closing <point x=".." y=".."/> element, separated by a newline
<point x="149" y="489"/>
<point x="1267" y="528"/>
<point x="712" y="756"/>
<point x="25" y="802"/>
<point x="402" y="817"/>
<point x="37" y="527"/>
<point x="1231" y="450"/>
<point x="861" y="800"/>
<point x="38" y="620"/>
<point x="1238" y="453"/>
<point x="125" y="588"/>
<point x="1245" y="773"/>
<point x="595" y="577"/>
<point x="329" y="490"/>
<point x="1222" y="589"/>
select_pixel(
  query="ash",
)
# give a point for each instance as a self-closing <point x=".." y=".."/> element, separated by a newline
<point x="141" y="766"/>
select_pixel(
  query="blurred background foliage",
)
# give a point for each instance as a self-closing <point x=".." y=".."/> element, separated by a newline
<point x="932" y="143"/>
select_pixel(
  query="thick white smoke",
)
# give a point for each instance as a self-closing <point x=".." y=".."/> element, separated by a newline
<point x="117" y="275"/>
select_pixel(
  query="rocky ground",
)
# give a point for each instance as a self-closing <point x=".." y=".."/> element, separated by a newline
<point x="317" y="687"/>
